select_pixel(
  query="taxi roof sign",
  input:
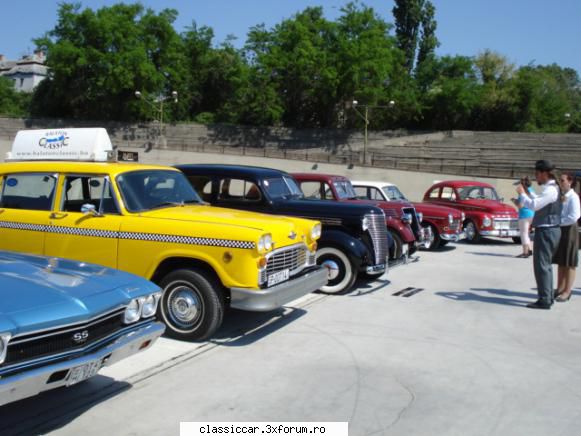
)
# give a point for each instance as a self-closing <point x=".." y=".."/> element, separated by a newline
<point x="83" y="144"/>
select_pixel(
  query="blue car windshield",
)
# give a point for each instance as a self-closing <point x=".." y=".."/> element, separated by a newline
<point x="282" y="187"/>
<point x="153" y="189"/>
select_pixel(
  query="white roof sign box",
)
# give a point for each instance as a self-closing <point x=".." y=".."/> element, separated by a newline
<point x="86" y="144"/>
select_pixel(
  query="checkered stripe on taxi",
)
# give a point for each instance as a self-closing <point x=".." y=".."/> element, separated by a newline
<point x="136" y="236"/>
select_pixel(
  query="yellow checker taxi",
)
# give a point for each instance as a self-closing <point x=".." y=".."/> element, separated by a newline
<point x="62" y="194"/>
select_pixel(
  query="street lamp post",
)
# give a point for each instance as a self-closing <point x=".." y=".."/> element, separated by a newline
<point x="365" y="116"/>
<point x="158" y="110"/>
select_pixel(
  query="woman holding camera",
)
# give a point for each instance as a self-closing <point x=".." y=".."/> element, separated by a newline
<point x="525" y="218"/>
<point x="567" y="252"/>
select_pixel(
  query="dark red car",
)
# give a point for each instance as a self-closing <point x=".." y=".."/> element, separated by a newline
<point x="486" y="214"/>
<point x="402" y="221"/>
<point x="445" y="223"/>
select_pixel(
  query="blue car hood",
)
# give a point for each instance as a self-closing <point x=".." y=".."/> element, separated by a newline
<point x="38" y="292"/>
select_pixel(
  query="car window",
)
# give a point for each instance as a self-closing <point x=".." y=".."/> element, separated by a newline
<point x="28" y="191"/>
<point x="282" y="187"/>
<point x="312" y="190"/>
<point x="448" y="193"/>
<point x="344" y="190"/>
<point x="95" y="190"/>
<point x="478" y="193"/>
<point x="239" y="190"/>
<point x="393" y="193"/>
<point x="361" y="192"/>
<point x="203" y="186"/>
<point x="435" y="193"/>
<point x="150" y="189"/>
<point x="375" y="194"/>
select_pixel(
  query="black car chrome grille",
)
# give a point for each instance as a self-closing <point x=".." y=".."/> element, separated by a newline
<point x="378" y="232"/>
<point x="292" y="259"/>
<point x="63" y="340"/>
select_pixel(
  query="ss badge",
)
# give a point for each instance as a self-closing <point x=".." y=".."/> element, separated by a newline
<point x="81" y="337"/>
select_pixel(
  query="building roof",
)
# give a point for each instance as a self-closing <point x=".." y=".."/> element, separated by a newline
<point x="31" y="64"/>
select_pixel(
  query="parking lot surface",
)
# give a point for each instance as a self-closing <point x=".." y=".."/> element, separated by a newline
<point x="444" y="346"/>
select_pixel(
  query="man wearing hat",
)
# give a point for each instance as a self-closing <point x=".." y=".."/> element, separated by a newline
<point x="547" y="220"/>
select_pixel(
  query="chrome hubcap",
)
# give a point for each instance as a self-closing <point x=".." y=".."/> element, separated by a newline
<point x="184" y="305"/>
<point x="470" y="231"/>
<point x="332" y="269"/>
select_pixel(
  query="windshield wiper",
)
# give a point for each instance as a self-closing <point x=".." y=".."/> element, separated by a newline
<point x="174" y="204"/>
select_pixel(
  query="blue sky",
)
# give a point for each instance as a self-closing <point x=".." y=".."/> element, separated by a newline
<point x="525" y="31"/>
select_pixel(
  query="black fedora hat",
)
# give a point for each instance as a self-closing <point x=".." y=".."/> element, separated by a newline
<point x="544" y="165"/>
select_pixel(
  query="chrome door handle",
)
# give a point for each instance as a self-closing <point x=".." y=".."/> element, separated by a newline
<point x="58" y="215"/>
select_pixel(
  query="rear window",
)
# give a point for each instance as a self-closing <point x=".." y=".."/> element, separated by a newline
<point x="28" y="191"/>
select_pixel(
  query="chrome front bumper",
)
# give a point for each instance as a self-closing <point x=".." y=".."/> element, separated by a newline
<point x="265" y="300"/>
<point x="453" y="237"/>
<point x="504" y="233"/>
<point x="34" y="381"/>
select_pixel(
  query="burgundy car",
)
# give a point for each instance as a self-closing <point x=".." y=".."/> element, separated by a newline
<point x="486" y="214"/>
<point x="445" y="223"/>
<point x="402" y="221"/>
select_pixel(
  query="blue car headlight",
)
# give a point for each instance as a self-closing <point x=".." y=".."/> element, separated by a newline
<point x="4" y="338"/>
<point x="132" y="312"/>
<point x="149" y="305"/>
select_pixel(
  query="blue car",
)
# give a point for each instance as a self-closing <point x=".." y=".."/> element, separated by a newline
<point x="61" y="321"/>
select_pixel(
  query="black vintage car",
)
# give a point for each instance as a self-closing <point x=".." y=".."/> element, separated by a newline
<point x="354" y="238"/>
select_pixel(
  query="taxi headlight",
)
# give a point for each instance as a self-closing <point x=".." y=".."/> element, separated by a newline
<point x="4" y="338"/>
<point x="265" y="242"/>
<point x="486" y="221"/>
<point x="149" y="305"/>
<point x="420" y="216"/>
<point x="365" y="223"/>
<point x="316" y="231"/>
<point x="451" y="218"/>
<point x="132" y="312"/>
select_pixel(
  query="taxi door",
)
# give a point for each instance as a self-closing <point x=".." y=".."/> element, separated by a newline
<point x="85" y="224"/>
<point x="26" y="200"/>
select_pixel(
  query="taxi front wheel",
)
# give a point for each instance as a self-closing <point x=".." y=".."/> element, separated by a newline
<point x="191" y="307"/>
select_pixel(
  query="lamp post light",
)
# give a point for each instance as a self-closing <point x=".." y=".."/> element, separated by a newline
<point x="158" y="106"/>
<point x="365" y="117"/>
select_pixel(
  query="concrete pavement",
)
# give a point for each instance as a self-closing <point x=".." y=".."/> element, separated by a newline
<point x="460" y="355"/>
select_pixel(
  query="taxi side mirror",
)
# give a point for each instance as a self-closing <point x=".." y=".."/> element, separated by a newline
<point x="90" y="209"/>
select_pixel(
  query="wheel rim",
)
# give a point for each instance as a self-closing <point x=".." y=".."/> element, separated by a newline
<point x="339" y="267"/>
<point x="431" y="239"/>
<point x="183" y="305"/>
<point x="470" y="231"/>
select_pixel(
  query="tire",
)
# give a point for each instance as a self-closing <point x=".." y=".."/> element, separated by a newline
<point x="339" y="264"/>
<point x="444" y="243"/>
<point x="397" y="250"/>
<point x="472" y="234"/>
<point x="182" y="290"/>
<point x="436" y="240"/>
<point x="517" y="240"/>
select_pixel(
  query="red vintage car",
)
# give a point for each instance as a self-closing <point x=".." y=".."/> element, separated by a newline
<point x="445" y="223"/>
<point x="403" y="224"/>
<point x="486" y="214"/>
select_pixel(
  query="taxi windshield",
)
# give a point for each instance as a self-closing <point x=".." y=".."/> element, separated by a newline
<point x="153" y="189"/>
<point x="344" y="190"/>
<point x="282" y="187"/>
<point x="478" y="193"/>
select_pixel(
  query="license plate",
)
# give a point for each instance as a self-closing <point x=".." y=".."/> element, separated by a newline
<point x="83" y="372"/>
<point x="278" y="277"/>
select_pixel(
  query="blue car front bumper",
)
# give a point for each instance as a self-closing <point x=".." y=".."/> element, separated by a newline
<point x="34" y="381"/>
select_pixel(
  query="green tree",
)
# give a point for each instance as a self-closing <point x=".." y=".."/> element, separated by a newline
<point x="415" y="29"/>
<point x="12" y="102"/>
<point x="97" y="60"/>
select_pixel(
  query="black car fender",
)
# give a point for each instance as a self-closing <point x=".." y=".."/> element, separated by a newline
<point x="355" y="249"/>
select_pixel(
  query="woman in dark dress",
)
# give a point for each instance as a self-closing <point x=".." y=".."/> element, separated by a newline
<point x="567" y="252"/>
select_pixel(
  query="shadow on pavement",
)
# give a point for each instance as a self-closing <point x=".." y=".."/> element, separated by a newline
<point x="243" y="328"/>
<point x="481" y="253"/>
<point x="490" y="295"/>
<point x="55" y="409"/>
<point x="444" y="249"/>
<point x="365" y="287"/>
<point x="490" y="241"/>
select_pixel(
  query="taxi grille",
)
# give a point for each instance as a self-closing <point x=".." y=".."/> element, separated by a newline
<point x="58" y="341"/>
<point x="294" y="258"/>
<point x="378" y="232"/>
